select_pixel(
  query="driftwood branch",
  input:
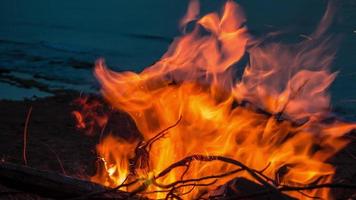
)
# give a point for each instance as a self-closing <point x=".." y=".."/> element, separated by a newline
<point x="51" y="184"/>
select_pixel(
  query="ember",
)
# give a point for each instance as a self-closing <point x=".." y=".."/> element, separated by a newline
<point x="203" y="125"/>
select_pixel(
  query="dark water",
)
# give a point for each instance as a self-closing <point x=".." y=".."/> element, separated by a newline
<point x="55" y="42"/>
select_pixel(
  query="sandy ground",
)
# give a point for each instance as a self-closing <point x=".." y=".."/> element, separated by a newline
<point x="52" y="135"/>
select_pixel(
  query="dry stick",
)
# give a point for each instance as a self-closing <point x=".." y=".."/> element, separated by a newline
<point x="143" y="148"/>
<point x="204" y="158"/>
<point x="161" y="134"/>
<point x="264" y="169"/>
<point x="266" y="177"/>
<point x="171" y="192"/>
<point x="25" y="136"/>
<point x="187" y="161"/>
<point x="185" y="172"/>
<point x="197" y="179"/>
<point x="143" y="187"/>
<point x="260" y="172"/>
<point x="189" y="191"/>
<point x="184" y="182"/>
<point x="25" y="142"/>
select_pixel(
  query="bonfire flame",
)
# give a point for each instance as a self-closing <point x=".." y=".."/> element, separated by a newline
<point x="272" y="118"/>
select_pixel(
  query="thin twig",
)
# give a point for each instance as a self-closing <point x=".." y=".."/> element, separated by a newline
<point x="204" y="158"/>
<point x="171" y="192"/>
<point x="197" y="179"/>
<point x="161" y="134"/>
<point x="25" y="136"/>
<point x="185" y="172"/>
<point x="143" y="148"/>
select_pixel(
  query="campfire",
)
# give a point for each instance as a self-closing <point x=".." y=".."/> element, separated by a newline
<point x="220" y="112"/>
<point x="204" y="124"/>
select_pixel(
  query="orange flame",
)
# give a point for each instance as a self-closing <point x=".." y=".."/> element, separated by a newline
<point x="272" y="116"/>
<point x="90" y="116"/>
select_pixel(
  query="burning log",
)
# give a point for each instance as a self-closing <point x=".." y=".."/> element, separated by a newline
<point x="54" y="185"/>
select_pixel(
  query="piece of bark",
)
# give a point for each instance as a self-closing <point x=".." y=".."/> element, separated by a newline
<point x="53" y="185"/>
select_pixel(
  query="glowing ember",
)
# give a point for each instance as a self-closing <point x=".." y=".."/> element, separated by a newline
<point x="271" y="119"/>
